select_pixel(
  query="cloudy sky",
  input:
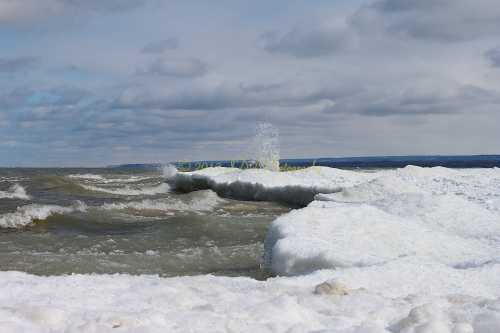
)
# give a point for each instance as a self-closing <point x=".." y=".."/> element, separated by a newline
<point x="97" y="82"/>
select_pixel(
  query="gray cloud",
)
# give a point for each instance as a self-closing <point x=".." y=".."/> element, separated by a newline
<point x="493" y="56"/>
<point x="308" y="40"/>
<point x="441" y="20"/>
<point x="104" y="5"/>
<point x="181" y="68"/>
<point x="416" y="101"/>
<point x="19" y="64"/>
<point x="27" y="11"/>
<point x="230" y="95"/>
<point x="161" y="46"/>
<point x="380" y="81"/>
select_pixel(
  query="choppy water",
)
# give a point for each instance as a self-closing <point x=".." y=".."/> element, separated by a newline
<point x="62" y="221"/>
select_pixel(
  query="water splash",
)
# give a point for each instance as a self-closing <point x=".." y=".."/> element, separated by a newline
<point x="267" y="147"/>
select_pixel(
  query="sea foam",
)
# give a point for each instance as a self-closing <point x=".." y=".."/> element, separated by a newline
<point x="26" y="215"/>
<point x="128" y="190"/>
<point x="198" y="201"/>
<point x="16" y="191"/>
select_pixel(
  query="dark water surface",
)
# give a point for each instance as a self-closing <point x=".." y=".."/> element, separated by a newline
<point x="366" y="162"/>
<point x="63" y="221"/>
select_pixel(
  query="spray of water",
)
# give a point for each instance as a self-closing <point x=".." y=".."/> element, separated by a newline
<point x="267" y="147"/>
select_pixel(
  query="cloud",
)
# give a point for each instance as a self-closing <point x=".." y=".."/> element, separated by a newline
<point x="19" y="64"/>
<point x="439" y="20"/>
<point x="308" y="40"/>
<point x="161" y="46"/>
<point x="422" y="99"/>
<point x="104" y="5"/>
<point x="390" y="77"/>
<point x="180" y="68"/>
<point x="26" y="11"/>
<point x="493" y="56"/>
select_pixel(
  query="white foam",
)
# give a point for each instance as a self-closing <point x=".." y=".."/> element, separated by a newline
<point x="169" y="171"/>
<point x="26" y="215"/>
<point x="130" y="191"/>
<point x="194" y="202"/>
<point x="267" y="147"/>
<point x="16" y="191"/>
<point x="87" y="176"/>
<point x="110" y="179"/>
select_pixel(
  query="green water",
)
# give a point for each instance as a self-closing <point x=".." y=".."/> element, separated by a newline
<point x="131" y="223"/>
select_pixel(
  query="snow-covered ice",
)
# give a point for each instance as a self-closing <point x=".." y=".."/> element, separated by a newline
<point x="293" y="187"/>
<point x="121" y="303"/>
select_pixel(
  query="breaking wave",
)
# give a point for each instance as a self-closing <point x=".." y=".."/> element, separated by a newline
<point x="130" y="191"/>
<point x="102" y="179"/>
<point x="87" y="176"/>
<point x="16" y="191"/>
<point x="26" y="215"/>
<point x="193" y="202"/>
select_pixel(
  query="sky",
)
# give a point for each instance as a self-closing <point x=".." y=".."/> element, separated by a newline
<point x="101" y="82"/>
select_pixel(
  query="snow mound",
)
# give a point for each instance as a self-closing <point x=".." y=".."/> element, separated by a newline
<point x="340" y="235"/>
<point x="122" y="303"/>
<point x="435" y="215"/>
<point x="293" y="187"/>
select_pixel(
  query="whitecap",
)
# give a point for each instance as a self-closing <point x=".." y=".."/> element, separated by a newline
<point x="130" y="191"/>
<point x="16" y="191"/>
<point x="26" y="215"/>
<point x="194" y="202"/>
<point x="87" y="176"/>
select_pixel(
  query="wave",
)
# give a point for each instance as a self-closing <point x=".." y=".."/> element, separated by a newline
<point x="130" y="191"/>
<point x="114" y="179"/>
<point x="16" y="191"/>
<point x="26" y="215"/>
<point x="193" y="202"/>
<point x="87" y="176"/>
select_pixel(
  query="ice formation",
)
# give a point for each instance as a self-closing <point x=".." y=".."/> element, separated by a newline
<point x="294" y="187"/>
<point x="122" y="303"/>
<point x="413" y="250"/>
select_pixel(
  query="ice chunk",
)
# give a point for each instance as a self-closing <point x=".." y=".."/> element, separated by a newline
<point x="293" y="187"/>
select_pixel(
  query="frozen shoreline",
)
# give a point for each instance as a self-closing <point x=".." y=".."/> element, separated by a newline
<point x="293" y="187"/>
<point x="122" y="303"/>
<point x="408" y="250"/>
